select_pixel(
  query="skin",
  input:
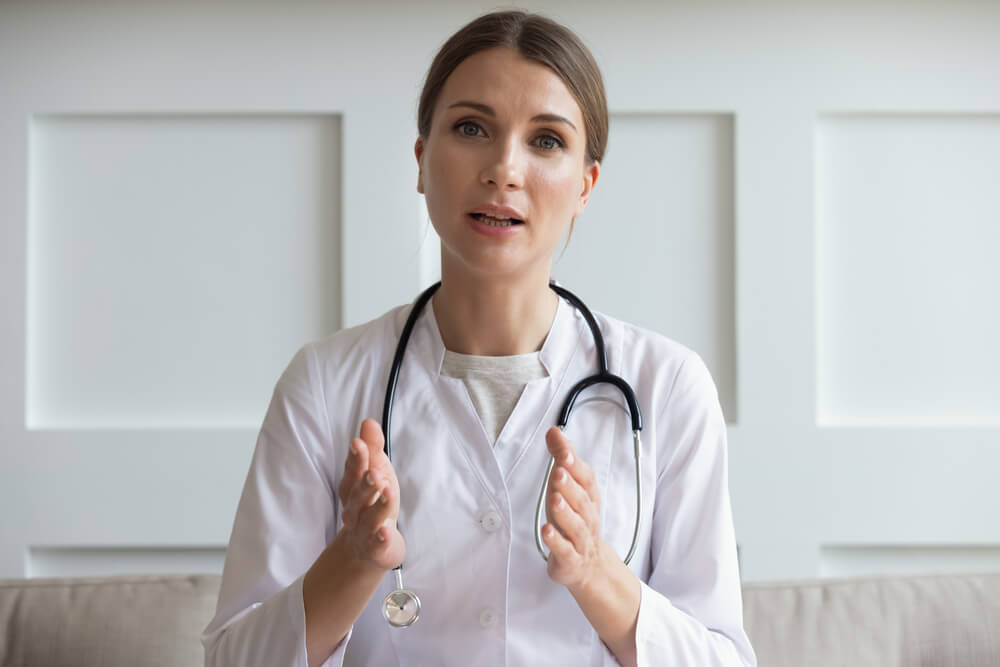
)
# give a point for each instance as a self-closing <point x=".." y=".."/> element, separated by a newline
<point x="494" y="300"/>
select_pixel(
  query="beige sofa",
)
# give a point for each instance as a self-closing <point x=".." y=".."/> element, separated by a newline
<point x="155" y="621"/>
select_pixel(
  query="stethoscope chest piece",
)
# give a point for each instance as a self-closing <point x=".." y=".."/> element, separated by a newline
<point x="401" y="608"/>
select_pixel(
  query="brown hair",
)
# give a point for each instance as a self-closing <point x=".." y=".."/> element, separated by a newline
<point x="536" y="38"/>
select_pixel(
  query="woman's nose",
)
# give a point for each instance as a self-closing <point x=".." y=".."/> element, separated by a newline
<point x="504" y="168"/>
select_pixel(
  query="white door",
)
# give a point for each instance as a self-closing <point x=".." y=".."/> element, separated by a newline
<point x="804" y="193"/>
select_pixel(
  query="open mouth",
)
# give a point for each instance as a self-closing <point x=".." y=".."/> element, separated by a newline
<point x="496" y="222"/>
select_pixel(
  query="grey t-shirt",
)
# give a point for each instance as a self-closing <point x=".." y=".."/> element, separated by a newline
<point x="494" y="383"/>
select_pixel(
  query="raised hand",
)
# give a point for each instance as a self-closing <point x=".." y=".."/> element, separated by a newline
<point x="573" y="508"/>
<point x="369" y="496"/>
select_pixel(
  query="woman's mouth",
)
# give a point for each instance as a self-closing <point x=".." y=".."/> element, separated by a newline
<point x="496" y="221"/>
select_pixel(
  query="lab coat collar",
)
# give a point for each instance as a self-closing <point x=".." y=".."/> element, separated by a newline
<point x="557" y="350"/>
<point x="535" y="410"/>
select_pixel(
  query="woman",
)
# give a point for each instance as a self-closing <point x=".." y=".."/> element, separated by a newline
<point x="512" y="129"/>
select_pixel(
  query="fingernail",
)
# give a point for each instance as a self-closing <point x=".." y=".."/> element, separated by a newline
<point x="379" y="536"/>
<point x="569" y="458"/>
<point x="561" y="477"/>
<point x="368" y="479"/>
<point x="353" y="451"/>
<point x="382" y="499"/>
<point x="559" y="501"/>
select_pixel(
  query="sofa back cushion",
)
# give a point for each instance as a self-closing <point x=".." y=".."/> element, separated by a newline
<point x="904" y="621"/>
<point x="156" y="621"/>
<point x="133" y="621"/>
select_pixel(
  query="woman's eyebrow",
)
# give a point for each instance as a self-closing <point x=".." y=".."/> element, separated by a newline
<point x="488" y="110"/>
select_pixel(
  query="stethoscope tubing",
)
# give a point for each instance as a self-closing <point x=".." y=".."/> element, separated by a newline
<point x="397" y="363"/>
<point x="637" y="447"/>
<point x="603" y="376"/>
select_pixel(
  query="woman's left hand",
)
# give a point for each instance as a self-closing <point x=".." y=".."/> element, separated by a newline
<point x="573" y="505"/>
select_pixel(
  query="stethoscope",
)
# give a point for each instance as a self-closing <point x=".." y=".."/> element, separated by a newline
<point x="402" y="606"/>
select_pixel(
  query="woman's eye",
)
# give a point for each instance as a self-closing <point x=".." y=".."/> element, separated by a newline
<point x="549" y="142"/>
<point x="468" y="128"/>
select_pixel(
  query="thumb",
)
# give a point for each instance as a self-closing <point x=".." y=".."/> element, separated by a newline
<point x="371" y="433"/>
<point x="558" y="444"/>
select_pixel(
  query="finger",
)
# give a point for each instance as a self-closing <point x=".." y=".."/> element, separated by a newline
<point x="583" y="474"/>
<point x="377" y="516"/>
<point x="561" y="549"/>
<point x="389" y="488"/>
<point x="371" y="433"/>
<point x="354" y="467"/>
<point x="562" y="450"/>
<point x="559" y="446"/>
<point x="577" y="497"/>
<point x="570" y="524"/>
<point x="382" y="470"/>
<point x="363" y="495"/>
<point x="379" y="462"/>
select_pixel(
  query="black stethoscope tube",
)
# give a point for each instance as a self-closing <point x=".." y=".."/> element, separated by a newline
<point x="402" y="607"/>
<point x="397" y="361"/>
<point x="603" y="376"/>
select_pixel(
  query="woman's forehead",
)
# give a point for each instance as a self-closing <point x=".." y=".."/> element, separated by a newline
<point x="507" y="81"/>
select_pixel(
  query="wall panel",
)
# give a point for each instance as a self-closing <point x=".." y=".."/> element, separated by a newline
<point x="176" y="262"/>
<point x="908" y="286"/>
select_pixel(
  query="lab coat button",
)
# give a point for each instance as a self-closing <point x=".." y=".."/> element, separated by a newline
<point x="490" y="521"/>
<point x="488" y="618"/>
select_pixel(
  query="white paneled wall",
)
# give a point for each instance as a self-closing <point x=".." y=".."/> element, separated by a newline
<point x="105" y="561"/>
<point x="226" y="227"/>
<point x="804" y="193"/>
<point x="908" y="282"/>
<point x="916" y="559"/>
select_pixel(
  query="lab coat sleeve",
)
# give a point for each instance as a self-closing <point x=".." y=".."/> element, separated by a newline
<point x="285" y="518"/>
<point x="691" y="608"/>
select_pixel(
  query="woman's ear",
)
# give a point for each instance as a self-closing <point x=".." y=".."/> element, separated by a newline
<point x="590" y="176"/>
<point x="418" y="150"/>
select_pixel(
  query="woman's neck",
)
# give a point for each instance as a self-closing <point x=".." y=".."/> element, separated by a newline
<point x="494" y="318"/>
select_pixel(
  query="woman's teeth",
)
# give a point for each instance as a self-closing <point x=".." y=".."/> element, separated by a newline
<point x="495" y="222"/>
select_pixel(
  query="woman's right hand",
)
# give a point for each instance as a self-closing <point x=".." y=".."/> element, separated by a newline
<point x="369" y="496"/>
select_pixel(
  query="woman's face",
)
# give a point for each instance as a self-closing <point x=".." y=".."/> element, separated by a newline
<point x="503" y="168"/>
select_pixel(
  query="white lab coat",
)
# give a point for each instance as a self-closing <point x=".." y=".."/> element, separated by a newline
<point x="467" y="506"/>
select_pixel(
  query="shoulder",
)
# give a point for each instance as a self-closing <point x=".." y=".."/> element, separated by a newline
<point x="672" y="383"/>
<point x="642" y="351"/>
<point x="350" y="351"/>
<point x="645" y="343"/>
<point x="360" y="340"/>
<point x="677" y="396"/>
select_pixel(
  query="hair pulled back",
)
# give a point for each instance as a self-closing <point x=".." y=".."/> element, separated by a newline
<point x="535" y="38"/>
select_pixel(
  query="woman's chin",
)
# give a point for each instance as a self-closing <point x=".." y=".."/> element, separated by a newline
<point x="492" y="266"/>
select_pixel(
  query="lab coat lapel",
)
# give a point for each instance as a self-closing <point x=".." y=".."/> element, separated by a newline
<point x="460" y="423"/>
<point x="536" y="410"/>
<point x="538" y="407"/>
